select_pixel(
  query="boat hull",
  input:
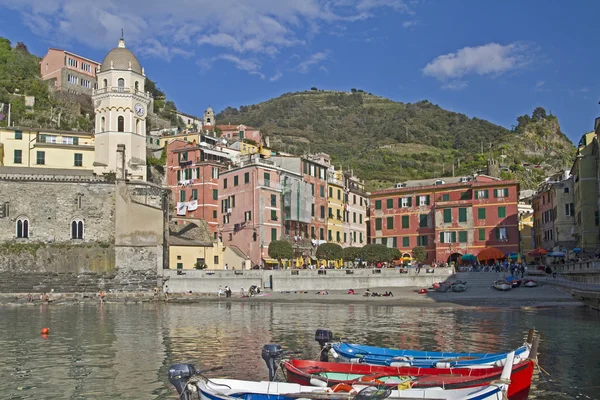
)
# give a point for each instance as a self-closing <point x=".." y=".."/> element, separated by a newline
<point x="232" y="389"/>
<point x="302" y="371"/>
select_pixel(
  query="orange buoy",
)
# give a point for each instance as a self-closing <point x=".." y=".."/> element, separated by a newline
<point x="422" y="291"/>
<point x="343" y="387"/>
<point x="45" y="331"/>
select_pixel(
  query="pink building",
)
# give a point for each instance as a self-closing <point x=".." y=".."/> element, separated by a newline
<point x="193" y="176"/>
<point x="72" y="73"/>
<point x="249" y="208"/>
<point x="237" y="132"/>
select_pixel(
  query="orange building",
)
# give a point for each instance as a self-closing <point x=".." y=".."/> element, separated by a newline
<point x="71" y="72"/>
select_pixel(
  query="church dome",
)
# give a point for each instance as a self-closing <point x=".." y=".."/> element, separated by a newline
<point x="209" y="110"/>
<point x="121" y="58"/>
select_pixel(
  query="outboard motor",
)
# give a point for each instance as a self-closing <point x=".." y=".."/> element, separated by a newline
<point x="271" y="353"/>
<point x="179" y="375"/>
<point x="323" y="337"/>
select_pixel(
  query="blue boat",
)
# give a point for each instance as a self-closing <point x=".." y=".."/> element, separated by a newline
<point x="415" y="358"/>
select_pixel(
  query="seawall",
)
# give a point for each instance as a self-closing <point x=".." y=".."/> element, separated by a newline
<point x="204" y="281"/>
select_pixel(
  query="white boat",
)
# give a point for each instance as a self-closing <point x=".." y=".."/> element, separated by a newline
<point x="233" y="389"/>
<point x="502" y="285"/>
<point x="530" y="283"/>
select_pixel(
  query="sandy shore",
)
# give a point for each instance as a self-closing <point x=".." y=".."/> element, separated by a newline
<point x="542" y="296"/>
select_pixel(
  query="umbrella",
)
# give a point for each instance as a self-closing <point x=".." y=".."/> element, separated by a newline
<point x="538" y="252"/>
<point x="490" y="253"/>
<point x="557" y="254"/>
<point x="576" y="250"/>
<point x="513" y="256"/>
<point x="468" y="258"/>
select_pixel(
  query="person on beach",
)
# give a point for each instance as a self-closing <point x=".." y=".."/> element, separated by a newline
<point x="155" y="290"/>
<point x="29" y="297"/>
<point x="367" y="293"/>
<point x="101" y="296"/>
<point x="219" y="292"/>
<point x="166" y="291"/>
<point x="242" y="292"/>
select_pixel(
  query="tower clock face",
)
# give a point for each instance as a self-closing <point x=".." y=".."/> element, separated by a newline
<point x="139" y="109"/>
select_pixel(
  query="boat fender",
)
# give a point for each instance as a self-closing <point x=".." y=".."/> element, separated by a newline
<point x="403" y="358"/>
<point x="343" y="387"/>
<point x="423" y="291"/>
<point x="355" y="361"/>
<point x="400" y="364"/>
<point x="333" y="353"/>
<point x="369" y="380"/>
<point x="318" y="382"/>
<point x="500" y="363"/>
<point x="443" y="365"/>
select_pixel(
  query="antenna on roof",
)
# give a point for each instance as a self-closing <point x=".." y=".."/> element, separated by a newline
<point x="121" y="33"/>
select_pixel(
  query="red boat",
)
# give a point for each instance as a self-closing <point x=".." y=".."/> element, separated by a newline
<point x="308" y="372"/>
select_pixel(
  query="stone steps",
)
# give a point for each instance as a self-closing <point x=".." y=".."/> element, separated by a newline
<point x="73" y="283"/>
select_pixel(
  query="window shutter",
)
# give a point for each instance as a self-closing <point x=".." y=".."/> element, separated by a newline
<point x="486" y="194"/>
<point x="427" y="200"/>
<point x="506" y="192"/>
<point x="441" y="237"/>
<point x="497" y="230"/>
<point x="178" y="176"/>
<point x="476" y="194"/>
<point x="410" y="201"/>
<point x="495" y="192"/>
<point x="454" y="237"/>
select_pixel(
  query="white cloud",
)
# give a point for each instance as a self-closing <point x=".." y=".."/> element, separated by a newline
<point x="409" y="24"/>
<point x="455" y="85"/>
<point x="540" y="87"/>
<point x="489" y="59"/>
<point x="276" y="77"/>
<point x="241" y="26"/>
<point x="314" y="59"/>
<point x="242" y="64"/>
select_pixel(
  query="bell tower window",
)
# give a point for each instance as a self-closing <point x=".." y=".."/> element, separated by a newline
<point x="105" y="83"/>
<point x="137" y="86"/>
<point x="102" y="124"/>
<point x="121" y="84"/>
<point x="121" y="124"/>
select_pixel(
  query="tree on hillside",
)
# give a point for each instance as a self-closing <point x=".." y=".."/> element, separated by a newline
<point x="329" y="251"/>
<point x="539" y="114"/>
<point x="373" y="253"/>
<point x="281" y="249"/>
<point x="419" y="254"/>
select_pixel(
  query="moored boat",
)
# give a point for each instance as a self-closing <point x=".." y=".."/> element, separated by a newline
<point x="357" y="353"/>
<point x="459" y="287"/>
<point x="501" y="285"/>
<point x="530" y="283"/>
<point x="308" y="372"/>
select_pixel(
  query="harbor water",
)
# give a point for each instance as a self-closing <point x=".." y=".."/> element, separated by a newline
<point x="120" y="351"/>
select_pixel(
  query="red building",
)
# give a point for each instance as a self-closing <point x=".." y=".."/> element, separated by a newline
<point x="448" y="216"/>
<point x="192" y="173"/>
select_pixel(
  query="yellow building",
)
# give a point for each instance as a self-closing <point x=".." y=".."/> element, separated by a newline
<point x="526" y="232"/>
<point x="336" y="212"/>
<point x="190" y="244"/>
<point x="46" y="148"/>
<point x="189" y="137"/>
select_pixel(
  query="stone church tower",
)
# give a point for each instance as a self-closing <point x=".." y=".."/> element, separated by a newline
<point x="121" y="107"/>
<point x="209" y="117"/>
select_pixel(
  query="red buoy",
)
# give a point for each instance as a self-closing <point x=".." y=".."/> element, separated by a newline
<point x="45" y="331"/>
<point x="422" y="291"/>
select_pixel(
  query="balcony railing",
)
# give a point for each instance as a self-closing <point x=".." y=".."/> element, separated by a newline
<point x="269" y="184"/>
<point x="117" y="89"/>
<point x="335" y="181"/>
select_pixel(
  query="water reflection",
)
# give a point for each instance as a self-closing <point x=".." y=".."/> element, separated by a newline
<point x="124" y="351"/>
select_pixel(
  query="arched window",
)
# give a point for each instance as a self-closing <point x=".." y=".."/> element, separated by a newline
<point x="102" y="124"/>
<point x="77" y="229"/>
<point x="105" y="83"/>
<point x="137" y="86"/>
<point x="22" y="228"/>
<point x="121" y="124"/>
<point x="121" y="84"/>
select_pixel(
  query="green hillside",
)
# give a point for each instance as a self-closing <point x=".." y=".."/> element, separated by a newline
<point x="386" y="142"/>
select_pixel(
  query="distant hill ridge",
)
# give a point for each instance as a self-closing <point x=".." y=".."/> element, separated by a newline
<point x="386" y="142"/>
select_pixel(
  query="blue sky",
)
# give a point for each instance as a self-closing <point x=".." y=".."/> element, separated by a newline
<point x="493" y="60"/>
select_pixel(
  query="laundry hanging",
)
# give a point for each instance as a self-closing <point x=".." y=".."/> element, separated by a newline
<point x="182" y="208"/>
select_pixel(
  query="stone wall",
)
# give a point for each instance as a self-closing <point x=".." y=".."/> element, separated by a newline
<point x="51" y="206"/>
<point x="122" y="246"/>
